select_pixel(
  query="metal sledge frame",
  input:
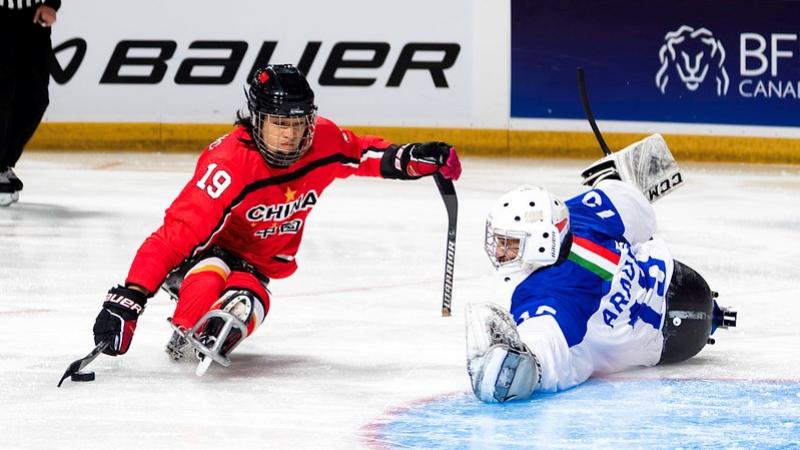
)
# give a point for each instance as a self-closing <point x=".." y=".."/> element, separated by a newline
<point x="213" y="352"/>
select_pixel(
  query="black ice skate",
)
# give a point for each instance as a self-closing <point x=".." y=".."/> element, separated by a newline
<point x="8" y="194"/>
<point x="12" y="177"/>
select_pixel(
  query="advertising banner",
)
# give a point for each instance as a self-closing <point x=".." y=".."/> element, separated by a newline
<point x="731" y="62"/>
<point x="370" y="63"/>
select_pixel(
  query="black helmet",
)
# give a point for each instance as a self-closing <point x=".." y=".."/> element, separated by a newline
<point x="282" y="113"/>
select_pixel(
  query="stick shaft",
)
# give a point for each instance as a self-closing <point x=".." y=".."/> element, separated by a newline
<point x="448" y="192"/>
<point x="588" y="111"/>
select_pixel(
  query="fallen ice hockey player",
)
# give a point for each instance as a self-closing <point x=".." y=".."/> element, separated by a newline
<point x="239" y="221"/>
<point x="593" y="291"/>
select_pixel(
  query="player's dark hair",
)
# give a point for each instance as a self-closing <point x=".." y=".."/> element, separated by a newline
<point x="246" y="122"/>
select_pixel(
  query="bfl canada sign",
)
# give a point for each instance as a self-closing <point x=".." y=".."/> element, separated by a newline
<point x="693" y="59"/>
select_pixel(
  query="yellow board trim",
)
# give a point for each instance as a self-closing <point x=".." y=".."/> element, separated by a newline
<point x="173" y="137"/>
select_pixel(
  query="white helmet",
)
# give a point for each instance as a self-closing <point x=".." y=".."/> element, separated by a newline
<point x="525" y="230"/>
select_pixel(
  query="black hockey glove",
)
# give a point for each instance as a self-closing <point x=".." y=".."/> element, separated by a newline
<point x="602" y="169"/>
<point x="117" y="320"/>
<point x="413" y="161"/>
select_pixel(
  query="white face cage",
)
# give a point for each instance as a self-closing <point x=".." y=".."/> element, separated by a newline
<point x="283" y="140"/>
<point x="504" y="248"/>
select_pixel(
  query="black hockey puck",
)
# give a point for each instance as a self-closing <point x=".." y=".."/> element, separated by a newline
<point x="83" y="376"/>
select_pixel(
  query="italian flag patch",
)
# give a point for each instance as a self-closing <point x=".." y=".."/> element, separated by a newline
<point x="594" y="258"/>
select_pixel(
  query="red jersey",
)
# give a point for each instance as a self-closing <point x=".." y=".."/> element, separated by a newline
<point x="255" y="211"/>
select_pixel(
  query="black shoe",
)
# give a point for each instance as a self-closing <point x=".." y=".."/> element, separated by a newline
<point x="6" y="185"/>
<point x="16" y="183"/>
<point x="7" y="192"/>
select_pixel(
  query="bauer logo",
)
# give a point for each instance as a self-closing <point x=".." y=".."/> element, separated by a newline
<point x="691" y="58"/>
<point x="126" y="64"/>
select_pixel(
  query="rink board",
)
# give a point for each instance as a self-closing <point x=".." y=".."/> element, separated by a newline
<point x="469" y="142"/>
<point x="499" y="79"/>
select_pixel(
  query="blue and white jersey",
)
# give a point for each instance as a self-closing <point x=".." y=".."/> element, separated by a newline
<point x="601" y="310"/>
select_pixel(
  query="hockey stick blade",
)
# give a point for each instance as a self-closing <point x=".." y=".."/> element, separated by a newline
<point x="78" y="365"/>
<point x="448" y="192"/>
<point x="588" y="111"/>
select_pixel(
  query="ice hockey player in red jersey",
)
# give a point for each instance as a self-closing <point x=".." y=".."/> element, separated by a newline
<point x="239" y="221"/>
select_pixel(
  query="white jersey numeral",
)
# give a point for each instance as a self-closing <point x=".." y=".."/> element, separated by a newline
<point x="593" y="200"/>
<point x="219" y="181"/>
<point x="544" y="309"/>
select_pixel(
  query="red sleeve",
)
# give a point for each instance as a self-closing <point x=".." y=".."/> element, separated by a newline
<point x="371" y="151"/>
<point x="190" y="222"/>
<point x="365" y="152"/>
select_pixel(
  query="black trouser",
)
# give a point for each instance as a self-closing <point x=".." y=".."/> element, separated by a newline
<point x="690" y="312"/>
<point x="25" y="57"/>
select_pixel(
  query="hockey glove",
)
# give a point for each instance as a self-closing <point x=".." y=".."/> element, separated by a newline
<point x="647" y="165"/>
<point x="413" y="161"/>
<point x="117" y="320"/>
<point x="501" y="367"/>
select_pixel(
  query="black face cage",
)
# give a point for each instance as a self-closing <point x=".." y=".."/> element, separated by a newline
<point x="276" y="156"/>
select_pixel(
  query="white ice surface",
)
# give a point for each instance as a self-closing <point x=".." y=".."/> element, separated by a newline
<point x="356" y="332"/>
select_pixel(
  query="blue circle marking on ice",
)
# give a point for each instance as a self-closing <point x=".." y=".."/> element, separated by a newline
<point x="609" y="414"/>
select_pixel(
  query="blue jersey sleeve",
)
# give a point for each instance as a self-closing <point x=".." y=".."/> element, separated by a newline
<point x="594" y="214"/>
<point x="615" y="210"/>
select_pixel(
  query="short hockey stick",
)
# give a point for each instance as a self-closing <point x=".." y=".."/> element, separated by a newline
<point x="448" y="192"/>
<point x="78" y="365"/>
<point x="588" y="111"/>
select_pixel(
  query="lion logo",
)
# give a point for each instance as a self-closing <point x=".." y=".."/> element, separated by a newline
<point x="692" y="53"/>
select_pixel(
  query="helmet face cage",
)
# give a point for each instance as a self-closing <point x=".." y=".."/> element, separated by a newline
<point x="283" y="115"/>
<point x="282" y="140"/>
<point x="529" y="221"/>
<point x="499" y="243"/>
